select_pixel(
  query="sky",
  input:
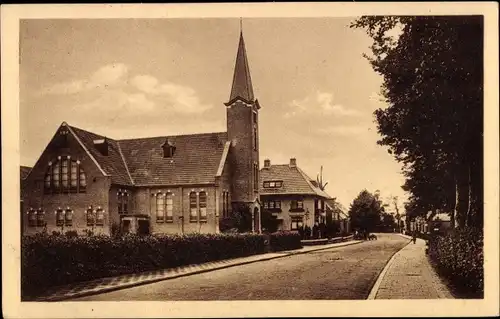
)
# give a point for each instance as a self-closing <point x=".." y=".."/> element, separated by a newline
<point x="127" y="78"/>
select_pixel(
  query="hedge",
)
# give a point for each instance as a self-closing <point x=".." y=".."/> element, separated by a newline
<point x="285" y="240"/>
<point x="49" y="261"/>
<point x="458" y="257"/>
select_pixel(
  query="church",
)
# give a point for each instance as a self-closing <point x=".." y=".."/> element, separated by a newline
<point x="84" y="181"/>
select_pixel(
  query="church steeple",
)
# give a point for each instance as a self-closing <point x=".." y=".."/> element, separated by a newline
<point x="242" y="82"/>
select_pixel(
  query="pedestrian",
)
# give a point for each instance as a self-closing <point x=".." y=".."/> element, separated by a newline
<point x="414" y="237"/>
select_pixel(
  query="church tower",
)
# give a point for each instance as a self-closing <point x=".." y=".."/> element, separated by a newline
<point x="243" y="132"/>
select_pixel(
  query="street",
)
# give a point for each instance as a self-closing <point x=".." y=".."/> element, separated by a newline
<point x="340" y="273"/>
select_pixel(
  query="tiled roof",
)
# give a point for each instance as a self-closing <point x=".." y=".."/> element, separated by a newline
<point x="112" y="164"/>
<point x="140" y="161"/>
<point x="242" y="82"/>
<point x="195" y="161"/>
<point x="295" y="181"/>
<point x="25" y="170"/>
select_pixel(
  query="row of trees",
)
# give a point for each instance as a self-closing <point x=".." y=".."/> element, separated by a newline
<point x="433" y="84"/>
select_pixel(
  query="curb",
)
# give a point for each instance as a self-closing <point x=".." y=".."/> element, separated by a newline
<point x="194" y="272"/>
<point x="378" y="282"/>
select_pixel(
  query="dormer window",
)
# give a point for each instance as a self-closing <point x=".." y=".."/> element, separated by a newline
<point x="102" y="146"/>
<point x="168" y="149"/>
<point x="273" y="184"/>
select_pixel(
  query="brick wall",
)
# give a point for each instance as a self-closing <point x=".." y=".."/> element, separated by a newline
<point x="242" y="154"/>
<point x="97" y="191"/>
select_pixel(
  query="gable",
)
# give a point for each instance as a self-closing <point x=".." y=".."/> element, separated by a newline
<point x="64" y="142"/>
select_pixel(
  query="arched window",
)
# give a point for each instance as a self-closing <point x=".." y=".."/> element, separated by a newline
<point x="203" y="206"/>
<point x="64" y="176"/>
<point x="40" y="218"/>
<point x="160" y="208"/>
<point x="193" y="207"/>
<point x="32" y="217"/>
<point x="169" y="204"/>
<point x="99" y="217"/>
<point x="59" y="217"/>
<point x="68" y="217"/>
<point x="90" y="217"/>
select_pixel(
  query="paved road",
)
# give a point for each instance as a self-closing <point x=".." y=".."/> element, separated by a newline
<point x="341" y="273"/>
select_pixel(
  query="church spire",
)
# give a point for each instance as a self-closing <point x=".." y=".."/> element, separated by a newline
<point x="242" y="82"/>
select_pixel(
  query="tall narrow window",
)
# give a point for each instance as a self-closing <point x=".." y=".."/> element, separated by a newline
<point x="64" y="175"/>
<point x="203" y="206"/>
<point x="73" y="177"/>
<point x="83" y="180"/>
<point x="255" y="176"/>
<point x="125" y="203"/>
<point x="160" y="208"/>
<point x="40" y="218"/>
<point x="255" y="136"/>
<point x="193" y="209"/>
<point x="55" y="176"/>
<point x="47" y="184"/>
<point x="90" y="217"/>
<point x="68" y="217"/>
<point x="32" y="217"/>
<point x="169" y="208"/>
<point x="99" y="217"/>
<point x="59" y="217"/>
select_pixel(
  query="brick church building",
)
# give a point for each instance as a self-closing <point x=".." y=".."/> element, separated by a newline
<point x="167" y="184"/>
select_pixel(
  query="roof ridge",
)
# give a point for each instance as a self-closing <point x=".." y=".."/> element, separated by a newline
<point x="70" y="128"/>
<point x="163" y="136"/>
<point x="124" y="162"/>
<point x="87" y="131"/>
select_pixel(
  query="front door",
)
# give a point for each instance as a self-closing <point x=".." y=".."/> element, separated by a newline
<point x="126" y="226"/>
<point x="143" y="227"/>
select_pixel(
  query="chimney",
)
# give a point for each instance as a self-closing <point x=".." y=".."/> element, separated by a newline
<point x="293" y="162"/>
<point x="267" y="163"/>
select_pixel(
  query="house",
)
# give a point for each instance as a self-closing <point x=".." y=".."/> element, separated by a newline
<point x="336" y="212"/>
<point x="291" y="195"/>
<point x="167" y="184"/>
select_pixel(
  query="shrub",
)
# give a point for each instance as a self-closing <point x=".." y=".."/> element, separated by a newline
<point x="458" y="256"/>
<point x="71" y="233"/>
<point x="58" y="260"/>
<point x="285" y="240"/>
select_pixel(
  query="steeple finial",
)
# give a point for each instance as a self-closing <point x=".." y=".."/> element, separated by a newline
<point x="242" y="82"/>
<point x="241" y="25"/>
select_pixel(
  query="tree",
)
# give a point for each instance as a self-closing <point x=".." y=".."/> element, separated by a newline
<point x="319" y="180"/>
<point x="433" y="85"/>
<point x="268" y="221"/>
<point x="365" y="211"/>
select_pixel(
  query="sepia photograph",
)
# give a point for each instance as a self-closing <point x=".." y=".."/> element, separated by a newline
<point x="181" y="157"/>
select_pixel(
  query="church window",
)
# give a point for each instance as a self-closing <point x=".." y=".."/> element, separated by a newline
<point x="99" y="217"/>
<point x="193" y="207"/>
<point x="68" y="217"/>
<point x="255" y="176"/>
<point x="40" y="218"/>
<point x="169" y="205"/>
<point x="59" y="217"/>
<point x="160" y="208"/>
<point x="64" y="176"/>
<point x="203" y="206"/>
<point x="255" y="137"/>
<point x="122" y="202"/>
<point x="32" y="217"/>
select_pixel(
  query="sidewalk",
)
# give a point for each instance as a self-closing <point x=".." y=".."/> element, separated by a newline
<point x="409" y="275"/>
<point x="126" y="281"/>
